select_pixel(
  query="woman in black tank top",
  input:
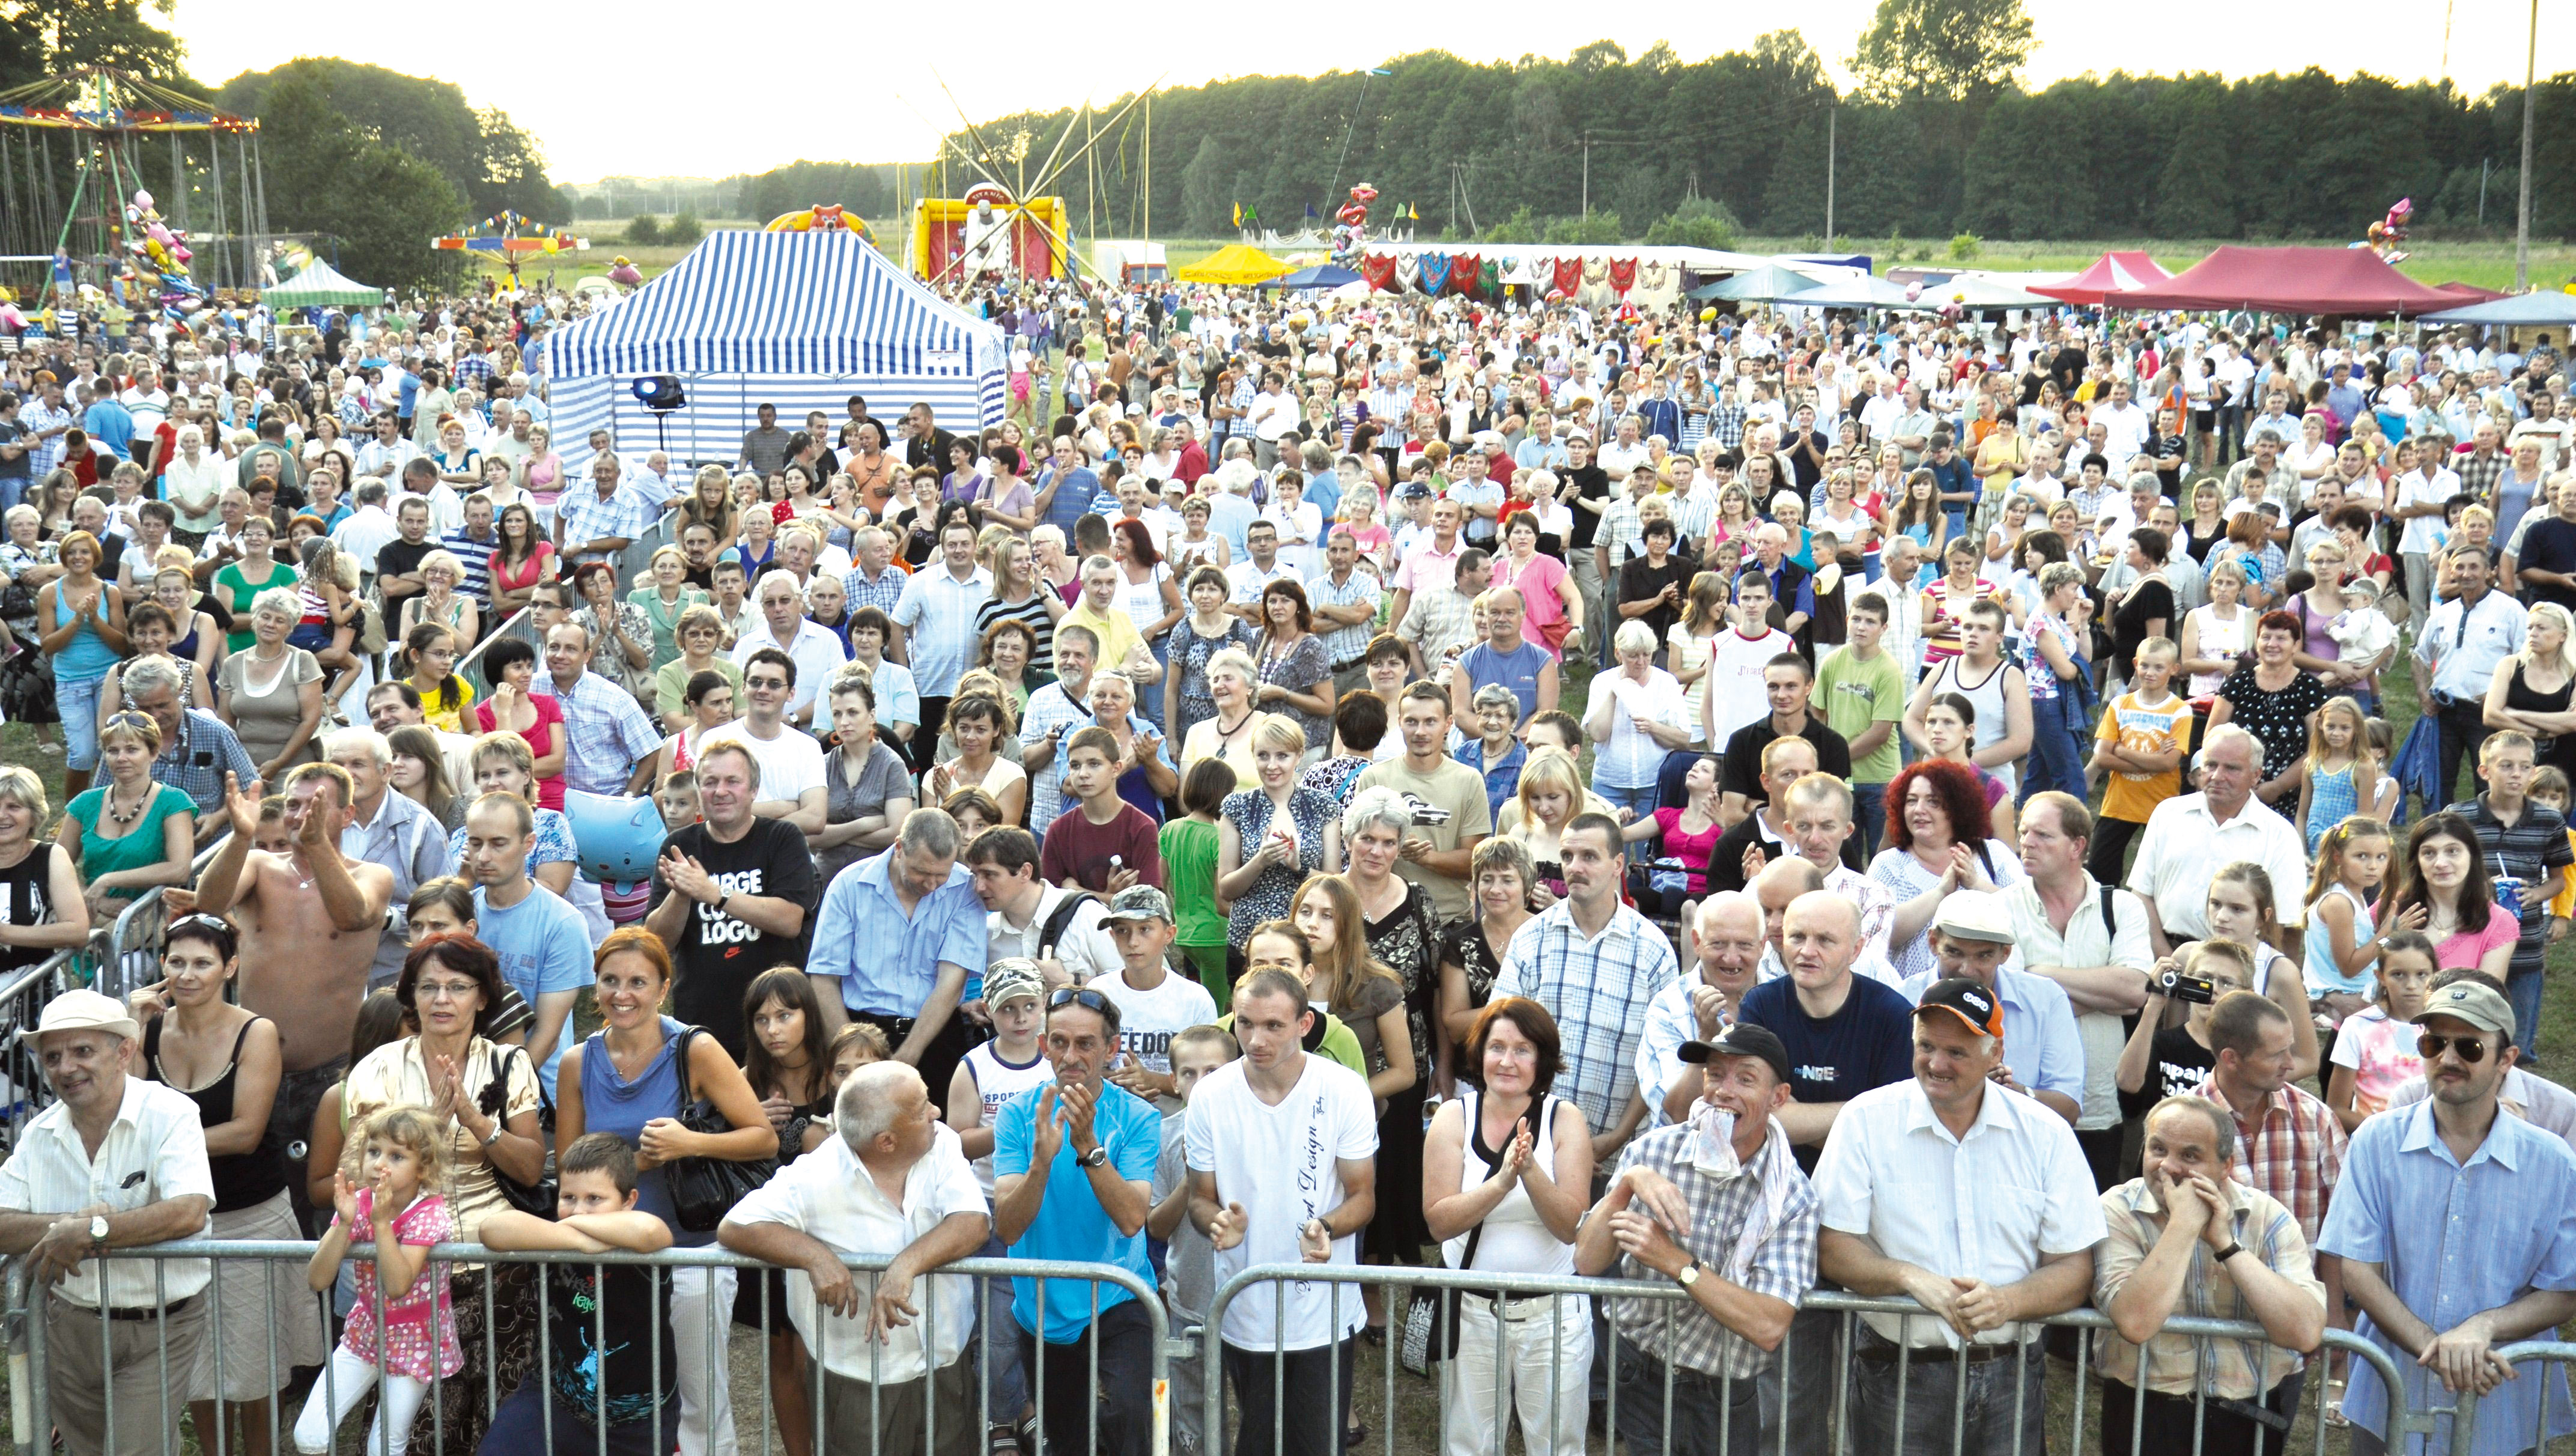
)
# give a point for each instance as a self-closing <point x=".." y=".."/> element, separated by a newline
<point x="226" y="1061"/>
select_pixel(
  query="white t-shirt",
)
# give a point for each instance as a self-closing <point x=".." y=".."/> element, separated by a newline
<point x="1147" y="1019"/>
<point x="1735" y="695"/>
<point x="1278" y="1163"/>
<point x="996" y="1082"/>
<point x="790" y="764"/>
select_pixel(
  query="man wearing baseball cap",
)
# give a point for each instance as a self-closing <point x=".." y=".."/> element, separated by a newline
<point x="2452" y="1224"/>
<point x="1988" y="1218"/>
<point x="1972" y="939"/>
<point x="1153" y="1002"/>
<point x="1741" y="1243"/>
<point x="116" y="1162"/>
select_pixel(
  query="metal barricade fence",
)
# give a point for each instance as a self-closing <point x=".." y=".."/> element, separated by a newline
<point x="1399" y="1285"/>
<point x="24" y="1092"/>
<point x="132" y="957"/>
<point x="2554" y="1358"/>
<point x="32" y="1396"/>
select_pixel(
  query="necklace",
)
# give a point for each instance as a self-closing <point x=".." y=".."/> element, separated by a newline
<point x="126" y="817"/>
<point x="1223" y="732"/>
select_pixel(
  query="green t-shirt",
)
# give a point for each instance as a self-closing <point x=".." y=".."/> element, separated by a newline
<point x="139" y="849"/>
<point x="1856" y="694"/>
<point x="1189" y="867"/>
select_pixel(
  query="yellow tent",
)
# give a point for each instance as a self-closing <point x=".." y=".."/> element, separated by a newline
<point x="1236" y="264"/>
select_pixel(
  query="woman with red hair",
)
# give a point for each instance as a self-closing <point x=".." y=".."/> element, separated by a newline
<point x="1940" y="838"/>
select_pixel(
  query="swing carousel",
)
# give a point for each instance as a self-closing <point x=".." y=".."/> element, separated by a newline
<point x="115" y="191"/>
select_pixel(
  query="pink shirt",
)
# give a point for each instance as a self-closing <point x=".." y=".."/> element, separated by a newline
<point x="420" y="1327"/>
<point x="2464" y="950"/>
<point x="2381" y="1054"/>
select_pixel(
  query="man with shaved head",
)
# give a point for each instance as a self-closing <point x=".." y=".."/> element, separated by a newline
<point x="1845" y="1034"/>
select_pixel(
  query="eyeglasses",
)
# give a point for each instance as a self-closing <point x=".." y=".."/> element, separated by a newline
<point x="1082" y="996"/>
<point x="2472" y="1050"/>
<point x="445" y="990"/>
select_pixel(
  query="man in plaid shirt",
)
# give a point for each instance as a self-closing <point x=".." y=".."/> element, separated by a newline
<point x="1742" y="1248"/>
<point x="1595" y="964"/>
<point x="2288" y="1144"/>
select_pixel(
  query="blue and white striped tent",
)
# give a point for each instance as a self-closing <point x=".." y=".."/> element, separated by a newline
<point x="799" y="320"/>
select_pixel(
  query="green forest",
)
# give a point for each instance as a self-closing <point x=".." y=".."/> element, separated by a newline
<point x="1922" y="151"/>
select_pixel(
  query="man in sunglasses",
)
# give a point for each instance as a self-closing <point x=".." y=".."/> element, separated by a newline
<point x="2288" y="1144"/>
<point x="2452" y="1227"/>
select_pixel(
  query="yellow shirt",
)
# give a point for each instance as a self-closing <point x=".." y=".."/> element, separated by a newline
<point x="1116" y="631"/>
<point x="2137" y="728"/>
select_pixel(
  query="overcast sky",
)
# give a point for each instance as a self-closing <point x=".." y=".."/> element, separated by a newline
<point x="652" y="89"/>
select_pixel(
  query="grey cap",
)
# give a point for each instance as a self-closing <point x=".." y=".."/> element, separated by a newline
<point x="1140" y="902"/>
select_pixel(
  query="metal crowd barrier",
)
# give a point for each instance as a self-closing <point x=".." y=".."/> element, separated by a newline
<point x="1398" y="1285"/>
<point x="2553" y="1357"/>
<point x="24" y="1321"/>
<point x="470" y="667"/>
<point x="24" y="1092"/>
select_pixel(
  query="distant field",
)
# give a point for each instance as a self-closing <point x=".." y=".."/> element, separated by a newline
<point x="2485" y="264"/>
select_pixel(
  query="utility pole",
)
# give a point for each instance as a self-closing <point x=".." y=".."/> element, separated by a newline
<point x="1587" y="163"/>
<point x="2522" y="225"/>
<point x="1833" y="116"/>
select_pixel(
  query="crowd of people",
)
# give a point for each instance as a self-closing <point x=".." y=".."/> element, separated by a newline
<point x="1767" y="804"/>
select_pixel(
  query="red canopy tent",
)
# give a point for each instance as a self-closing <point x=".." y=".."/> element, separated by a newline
<point x="2290" y="280"/>
<point x="2110" y="273"/>
<point x="2468" y="293"/>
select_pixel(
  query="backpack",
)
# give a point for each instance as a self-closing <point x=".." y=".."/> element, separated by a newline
<point x="1059" y="922"/>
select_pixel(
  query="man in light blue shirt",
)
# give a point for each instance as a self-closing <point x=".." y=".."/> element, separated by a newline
<point x="2456" y="1224"/>
<point x="2462" y="644"/>
<point x="1972" y="939"/>
<point x="899" y="942"/>
<point x="542" y="944"/>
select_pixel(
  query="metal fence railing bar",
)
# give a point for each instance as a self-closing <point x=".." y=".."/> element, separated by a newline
<point x="24" y="1321"/>
<point x="1399" y="1284"/>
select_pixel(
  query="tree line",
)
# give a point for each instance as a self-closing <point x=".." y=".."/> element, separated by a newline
<point x="1927" y="147"/>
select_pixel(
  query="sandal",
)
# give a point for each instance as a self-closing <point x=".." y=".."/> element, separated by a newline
<point x="2330" y="1410"/>
<point x="1002" y="1439"/>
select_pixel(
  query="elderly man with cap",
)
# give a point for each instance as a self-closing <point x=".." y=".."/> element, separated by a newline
<point x="2188" y="1239"/>
<point x="1990" y="1220"/>
<point x="1718" y="1205"/>
<point x="1972" y="939"/>
<point x="118" y="1161"/>
<point x="2456" y="1224"/>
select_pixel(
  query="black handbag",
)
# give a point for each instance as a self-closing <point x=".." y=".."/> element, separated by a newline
<point x="704" y="1190"/>
<point x="536" y="1198"/>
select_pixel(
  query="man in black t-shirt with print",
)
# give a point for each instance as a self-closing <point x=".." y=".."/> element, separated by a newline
<point x="1789" y="685"/>
<point x="735" y="897"/>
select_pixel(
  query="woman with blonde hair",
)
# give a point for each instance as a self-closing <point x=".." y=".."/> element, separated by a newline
<point x="663" y="596"/>
<point x="1549" y="796"/>
<point x="439" y="601"/>
<point x="1273" y="835"/>
<point x="129" y="834"/>
<point x="700" y="634"/>
<point x="1228" y="732"/>
<point x="2533" y="691"/>
<point x="271" y="695"/>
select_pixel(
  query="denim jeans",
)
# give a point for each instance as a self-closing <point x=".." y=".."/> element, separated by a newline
<point x="1639" y="799"/>
<point x="2056" y="753"/>
<point x="1307" y="1393"/>
<point x="2002" y="1409"/>
<point x="2522" y="992"/>
<point x="1710" y="1416"/>
<point x="77" y="702"/>
<point x="1869" y="806"/>
<point x="1803" y="1380"/>
<point x="1122" y="1401"/>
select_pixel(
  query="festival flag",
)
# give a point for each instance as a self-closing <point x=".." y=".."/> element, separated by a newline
<point x="1310" y="212"/>
<point x="1238" y="214"/>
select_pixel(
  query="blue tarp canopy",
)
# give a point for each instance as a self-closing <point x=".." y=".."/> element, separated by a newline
<point x="2519" y="308"/>
<point x="1322" y="275"/>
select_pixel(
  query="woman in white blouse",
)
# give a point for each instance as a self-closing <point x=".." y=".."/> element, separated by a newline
<point x="1637" y="715"/>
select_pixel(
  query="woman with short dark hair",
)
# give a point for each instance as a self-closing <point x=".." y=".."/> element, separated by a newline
<point x="2273" y="698"/>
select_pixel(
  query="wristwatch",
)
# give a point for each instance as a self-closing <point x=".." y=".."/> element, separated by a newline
<point x="723" y="900"/>
<point x="2231" y="1251"/>
<point x="98" y="1230"/>
<point x="1094" y="1158"/>
<point x="1689" y="1276"/>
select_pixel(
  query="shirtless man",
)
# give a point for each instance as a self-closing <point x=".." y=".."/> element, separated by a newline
<point x="310" y="922"/>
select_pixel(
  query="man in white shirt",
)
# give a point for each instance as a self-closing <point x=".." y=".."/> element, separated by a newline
<point x="1248" y="579"/>
<point x="1973" y="1200"/>
<point x="118" y="1162"/>
<point x="785" y="628"/>
<point x="1626" y="451"/>
<point x="892" y="1183"/>
<point x="2091" y="939"/>
<point x="1062" y="929"/>
<point x="2125" y="429"/>
<point x="791" y="762"/>
<point x="1282" y="1151"/>
<point x="2189" y="836"/>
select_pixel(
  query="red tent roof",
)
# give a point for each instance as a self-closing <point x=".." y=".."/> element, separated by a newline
<point x="2468" y="292"/>
<point x="2110" y="273"/>
<point x="2291" y="280"/>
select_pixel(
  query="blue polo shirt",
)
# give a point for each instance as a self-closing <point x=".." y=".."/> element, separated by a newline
<point x="1517" y="670"/>
<point x="1071" y="1224"/>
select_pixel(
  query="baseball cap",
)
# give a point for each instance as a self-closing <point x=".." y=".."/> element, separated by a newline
<point x="1140" y="902"/>
<point x="1010" y="978"/>
<point x="1967" y="1000"/>
<point x="1412" y="490"/>
<point x="2479" y="1006"/>
<point x="1974" y="915"/>
<point x="83" y="1011"/>
<point x="1741" y="1039"/>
